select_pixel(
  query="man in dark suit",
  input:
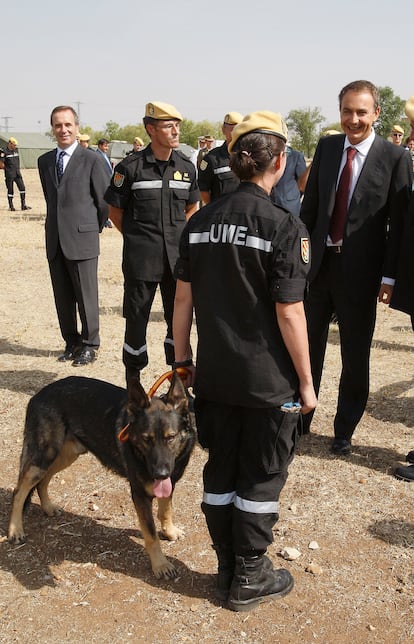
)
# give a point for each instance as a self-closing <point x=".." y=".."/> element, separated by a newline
<point x="74" y="182"/>
<point x="354" y="268"/>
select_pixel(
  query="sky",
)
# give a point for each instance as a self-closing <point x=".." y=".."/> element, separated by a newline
<point x="108" y="59"/>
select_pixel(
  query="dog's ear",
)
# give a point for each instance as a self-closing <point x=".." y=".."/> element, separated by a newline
<point x="176" y="395"/>
<point x="136" y="395"/>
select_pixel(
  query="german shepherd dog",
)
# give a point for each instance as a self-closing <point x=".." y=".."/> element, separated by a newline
<point x="147" y="441"/>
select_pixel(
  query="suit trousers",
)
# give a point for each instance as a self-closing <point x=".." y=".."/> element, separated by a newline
<point x="330" y="293"/>
<point x="138" y="298"/>
<point x="249" y="451"/>
<point x="75" y="288"/>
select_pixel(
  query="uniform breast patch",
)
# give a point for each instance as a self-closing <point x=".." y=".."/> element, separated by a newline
<point x="203" y="165"/>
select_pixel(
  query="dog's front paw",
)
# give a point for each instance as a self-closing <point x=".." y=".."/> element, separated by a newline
<point x="51" y="509"/>
<point x="164" y="568"/>
<point x="172" y="533"/>
<point x="16" y="536"/>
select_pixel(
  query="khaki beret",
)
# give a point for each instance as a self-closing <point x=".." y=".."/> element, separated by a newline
<point x="209" y="138"/>
<point x="264" y="121"/>
<point x="84" y="137"/>
<point x="330" y="132"/>
<point x="409" y="108"/>
<point x="233" y="118"/>
<point x="162" y="112"/>
<point x="13" y="140"/>
<point x="138" y="140"/>
<point x="397" y="128"/>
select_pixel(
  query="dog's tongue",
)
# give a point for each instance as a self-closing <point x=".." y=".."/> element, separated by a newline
<point x="162" y="488"/>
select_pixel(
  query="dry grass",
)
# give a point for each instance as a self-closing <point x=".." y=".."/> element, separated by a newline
<point x="84" y="575"/>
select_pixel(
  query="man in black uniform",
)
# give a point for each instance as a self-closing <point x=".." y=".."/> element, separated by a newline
<point x="152" y="193"/>
<point x="11" y="164"/>
<point x="243" y="265"/>
<point x="215" y="177"/>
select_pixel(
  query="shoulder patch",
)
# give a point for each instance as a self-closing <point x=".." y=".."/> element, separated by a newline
<point x="203" y="164"/>
<point x="118" y="179"/>
<point x="304" y="249"/>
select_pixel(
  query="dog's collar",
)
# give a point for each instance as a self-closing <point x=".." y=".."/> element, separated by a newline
<point x="123" y="435"/>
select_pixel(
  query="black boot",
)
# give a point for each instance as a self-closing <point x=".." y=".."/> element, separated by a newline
<point x="23" y="202"/>
<point x="226" y="565"/>
<point x="255" y="580"/>
<point x="11" y="207"/>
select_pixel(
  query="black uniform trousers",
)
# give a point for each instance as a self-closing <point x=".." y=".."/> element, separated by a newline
<point x="356" y="322"/>
<point x="249" y="450"/>
<point x="138" y="298"/>
<point x="18" y="180"/>
<point x="75" y="288"/>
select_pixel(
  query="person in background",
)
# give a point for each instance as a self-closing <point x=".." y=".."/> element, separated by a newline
<point x="10" y="161"/>
<point x="215" y="177"/>
<point x="102" y="150"/>
<point x="243" y="266"/>
<point x="152" y="193"/>
<point x="286" y="192"/>
<point x="74" y="182"/>
<point x="397" y="135"/>
<point x="355" y="234"/>
<point x="84" y="140"/>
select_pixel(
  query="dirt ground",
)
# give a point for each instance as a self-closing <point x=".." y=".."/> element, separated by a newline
<point x="84" y="576"/>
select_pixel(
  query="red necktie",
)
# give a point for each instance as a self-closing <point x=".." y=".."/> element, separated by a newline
<point x="338" y="218"/>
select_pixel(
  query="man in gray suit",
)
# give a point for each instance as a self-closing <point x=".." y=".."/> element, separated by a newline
<point x="74" y="182"/>
<point x="354" y="264"/>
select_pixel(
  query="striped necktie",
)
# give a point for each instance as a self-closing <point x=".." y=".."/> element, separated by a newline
<point x="59" y="165"/>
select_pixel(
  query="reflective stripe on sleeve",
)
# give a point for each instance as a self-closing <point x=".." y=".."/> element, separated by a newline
<point x="259" y="243"/>
<point x="224" y="168"/>
<point x="219" y="499"/>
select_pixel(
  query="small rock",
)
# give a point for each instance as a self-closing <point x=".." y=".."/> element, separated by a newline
<point x="363" y="481"/>
<point x="290" y="553"/>
<point x="313" y="545"/>
<point x="314" y="568"/>
<point x="371" y="627"/>
<point x="293" y="508"/>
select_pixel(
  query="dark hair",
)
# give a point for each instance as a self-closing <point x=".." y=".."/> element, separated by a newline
<point x="101" y="141"/>
<point x="361" y="86"/>
<point x="253" y="153"/>
<point x="64" y="108"/>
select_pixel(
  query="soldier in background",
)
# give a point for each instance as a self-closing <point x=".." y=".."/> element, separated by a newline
<point x="10" y="161"/>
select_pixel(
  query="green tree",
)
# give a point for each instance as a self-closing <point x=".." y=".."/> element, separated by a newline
<point x="304" y="129"/>
<point x="190" y="131"/>
<point x="392" y="112"/>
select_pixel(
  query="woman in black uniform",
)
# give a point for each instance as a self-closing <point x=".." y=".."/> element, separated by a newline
<point x="243" y="265"/>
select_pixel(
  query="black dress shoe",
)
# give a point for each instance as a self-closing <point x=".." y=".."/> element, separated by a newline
<point x="341" y="447"/>
<point x="410" y="457"/>
<point x="86" y="356"/>
<point x="405" y="473"/>
<point x="26" y="208"/>
<point x="70" y="353"/>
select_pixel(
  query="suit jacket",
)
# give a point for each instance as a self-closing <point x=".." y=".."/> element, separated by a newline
<point x="76" y="209"/>
<point x="107" y="162"/>
<point x="403" y="292"/>
<point x="286" y="193"/>
<point x="373" y="227"/>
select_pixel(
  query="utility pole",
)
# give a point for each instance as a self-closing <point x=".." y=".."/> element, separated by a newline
<point x="6" y="122"/>
<point x="78" y="104"/>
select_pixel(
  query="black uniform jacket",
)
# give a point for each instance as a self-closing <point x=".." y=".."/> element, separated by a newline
<point x="373" y="226"/>
<point x="403" y="293"/>
<point x="153" y="197"/>
<point x="215" y="175"/>
<point x="242" y="254"/>
<point x="76" y="209"/>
